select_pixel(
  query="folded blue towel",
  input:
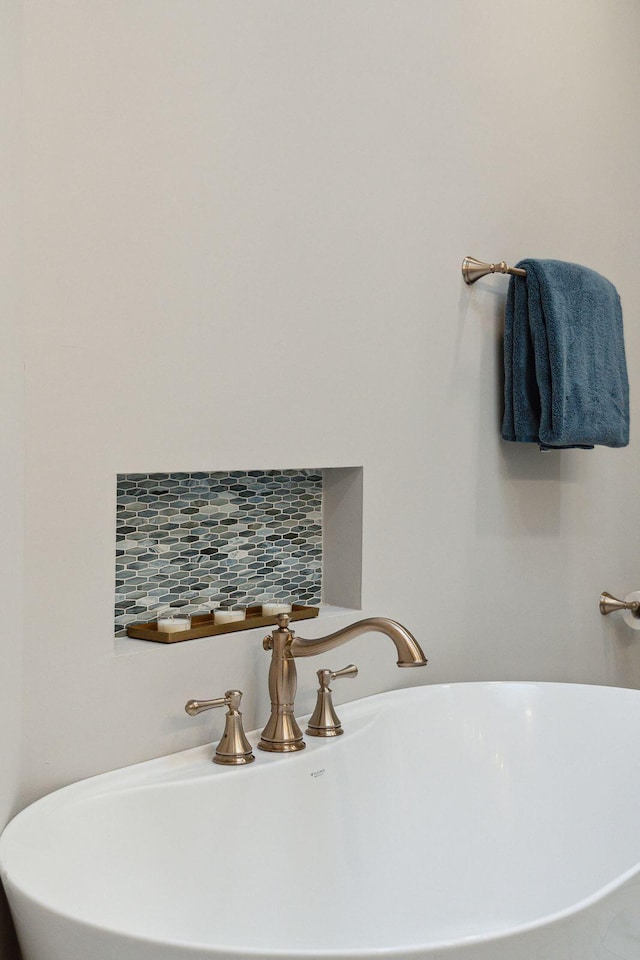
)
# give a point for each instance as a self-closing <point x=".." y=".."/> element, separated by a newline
<point x="566" y="379"/>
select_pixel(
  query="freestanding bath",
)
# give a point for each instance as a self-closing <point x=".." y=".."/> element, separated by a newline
<point x="480" y="821"/>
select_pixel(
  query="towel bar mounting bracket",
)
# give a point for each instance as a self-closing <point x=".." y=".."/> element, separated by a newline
<point x="473" y="269"/>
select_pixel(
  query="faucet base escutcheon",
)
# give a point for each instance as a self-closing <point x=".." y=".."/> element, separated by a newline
<point x="284" y="746"/>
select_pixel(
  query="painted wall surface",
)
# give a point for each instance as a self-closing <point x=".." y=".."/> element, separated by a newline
<point x="245" y="227"/>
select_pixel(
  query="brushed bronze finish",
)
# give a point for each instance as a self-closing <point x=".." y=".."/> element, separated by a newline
<point x="409" y="652"/>
<point x="282" y="734"/>
<point x="473" y="269"/>
<point x="610" y="604"/>
<point x="324" y="721"/>
<point x="233" y="749"/>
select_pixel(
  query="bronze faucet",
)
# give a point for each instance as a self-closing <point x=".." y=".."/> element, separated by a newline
<point x="282" y="734"/>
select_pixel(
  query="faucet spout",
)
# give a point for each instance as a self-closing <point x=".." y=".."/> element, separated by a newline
<point x="409" y="651"/>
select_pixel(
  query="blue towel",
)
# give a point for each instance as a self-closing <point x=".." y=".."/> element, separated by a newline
<point x="566" y="379"/>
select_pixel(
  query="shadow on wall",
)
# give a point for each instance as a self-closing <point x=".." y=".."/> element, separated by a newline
<point x="622" y="650"/>
<point x="526" y="498"/>
<point x="9" y="949"/>
<point x="518" y="489"/>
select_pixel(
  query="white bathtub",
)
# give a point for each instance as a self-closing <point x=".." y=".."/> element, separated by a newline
<point x="481" y="821"/>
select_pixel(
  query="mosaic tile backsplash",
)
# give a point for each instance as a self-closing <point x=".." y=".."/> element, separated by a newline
<point x="195" y="540"/>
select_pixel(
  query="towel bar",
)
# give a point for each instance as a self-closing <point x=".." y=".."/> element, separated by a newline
<point x="473" y="269"/>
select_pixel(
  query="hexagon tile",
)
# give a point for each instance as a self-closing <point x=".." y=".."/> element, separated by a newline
<point x="193" y="540"/>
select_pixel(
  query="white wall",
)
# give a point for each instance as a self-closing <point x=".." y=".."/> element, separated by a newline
<point x="245" y="227"/>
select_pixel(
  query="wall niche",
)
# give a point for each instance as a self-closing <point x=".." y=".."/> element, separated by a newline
<point x="193" y="540"/>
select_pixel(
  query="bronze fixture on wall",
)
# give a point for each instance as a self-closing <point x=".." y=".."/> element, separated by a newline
<point x="473" y="269"/>
<point x="610" y="604"/>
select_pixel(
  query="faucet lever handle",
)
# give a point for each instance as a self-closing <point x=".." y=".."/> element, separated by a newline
<point x="324" y="721"/>
<point x="233" y="748"/>
<point x="349" y="672"/>
<point x="194" y="707"/>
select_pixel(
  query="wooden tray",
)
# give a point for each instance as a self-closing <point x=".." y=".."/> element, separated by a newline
<point x="202" y="625"/>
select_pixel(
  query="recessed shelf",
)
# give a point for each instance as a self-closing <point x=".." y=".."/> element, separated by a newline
<point x="193" y="541"/>
<point x="204" y="625"/>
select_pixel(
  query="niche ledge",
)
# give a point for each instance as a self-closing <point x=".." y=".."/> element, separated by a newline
<point x="128" y="646"/>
